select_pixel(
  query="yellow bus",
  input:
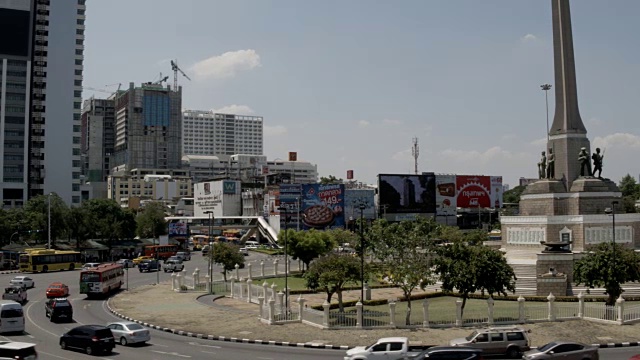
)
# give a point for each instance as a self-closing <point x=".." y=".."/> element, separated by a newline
<point x="44" y="260"/>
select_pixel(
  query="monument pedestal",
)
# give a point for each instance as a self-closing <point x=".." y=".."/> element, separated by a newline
<point x="554" y="274"/>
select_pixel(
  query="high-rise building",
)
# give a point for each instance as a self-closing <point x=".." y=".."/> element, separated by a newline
<point x="148" y="128"/>
<point x="41" y="64"/>
<point x="208" y="133"/>
<point x="98" y="138"/>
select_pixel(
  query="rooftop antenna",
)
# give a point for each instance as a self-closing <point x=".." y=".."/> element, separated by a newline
<point x="415" y="152"/>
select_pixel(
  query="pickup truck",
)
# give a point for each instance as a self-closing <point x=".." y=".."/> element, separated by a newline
<point x="173" y="266"/>
<point x="391" y="348"/>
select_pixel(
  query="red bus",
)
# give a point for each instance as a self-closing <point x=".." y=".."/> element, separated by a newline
<point x="163" y="252"/>
<point x="102" y="279"/>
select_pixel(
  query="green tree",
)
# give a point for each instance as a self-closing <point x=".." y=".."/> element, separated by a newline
<point x="332" y="273"/>
<point x="306" y="245"/>
<point x="37" y="214"/>
<point x="468" y="268"/>
<point x="513" y="195"/>
<point x="227" y="255"/>
<point x="151" y="221"/>
<point x="608" y="266"/>
<point x="476" y="237"/>
<point x="105" y="218"/>
<point x="406" y="262"/>
<point x="79" y="224"/>
<point x="330" y="180"/>
<point x="341" y="236"/>
<point x="628" y="186"/>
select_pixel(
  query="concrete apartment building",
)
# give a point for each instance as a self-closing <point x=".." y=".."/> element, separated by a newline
<point x="98" y="138"/>
<point x="41" y="65"/>
<point x="148" y="128"/>
<point x="134" y="187"/>
<point x="208" y="133"/>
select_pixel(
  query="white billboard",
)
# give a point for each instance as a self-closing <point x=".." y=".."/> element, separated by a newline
<point x="222" y="197"/>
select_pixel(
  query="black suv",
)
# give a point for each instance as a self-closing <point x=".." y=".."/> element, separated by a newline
<point x="148" y="265"/>
<point x="92" y="339"/>
<point x="449" y="353"/>
<point x="58" y="308"/>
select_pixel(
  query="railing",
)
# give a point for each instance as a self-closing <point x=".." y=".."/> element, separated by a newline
<point x="475" y="317"/>
<point x="631" y="313"/>
<point x="599" y="311"/>
<point x="567" y="310"/>
<point x="536" y="312"/>
<point x="372" y="318"/>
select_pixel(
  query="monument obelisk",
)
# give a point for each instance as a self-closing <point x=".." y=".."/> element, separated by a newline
<point x="567" y="134"/>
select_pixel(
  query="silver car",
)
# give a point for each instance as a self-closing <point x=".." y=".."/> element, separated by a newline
<point x="127" y="332"/>
<point x="565" y="350"/>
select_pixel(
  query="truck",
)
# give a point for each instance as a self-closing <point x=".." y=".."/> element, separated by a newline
<point x="390" y="348"/>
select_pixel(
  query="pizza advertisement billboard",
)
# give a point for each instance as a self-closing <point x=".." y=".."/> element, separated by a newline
<point x="473" y="191"/>
<point x="322" y="206"/>
<point x="407" y="194"/>
<point x="446" y="203"/>
<point x="353" y="198"/>
<point x="290" y="195"/>
<point x="496" y="192"/>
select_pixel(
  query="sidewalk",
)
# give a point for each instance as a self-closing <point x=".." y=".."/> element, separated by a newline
<point x="158" y="305"/>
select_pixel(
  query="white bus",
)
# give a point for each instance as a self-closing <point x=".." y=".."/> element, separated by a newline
<point x="101" y="280"/>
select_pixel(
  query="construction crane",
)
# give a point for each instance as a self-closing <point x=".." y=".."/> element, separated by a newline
<point x="175" y="68"/>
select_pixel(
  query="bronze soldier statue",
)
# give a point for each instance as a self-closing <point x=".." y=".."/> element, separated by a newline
<point x="597" y="162"/>
<point x="542" y="166"/>
<point x="551" y="162"/>
<point x="585" y="162"/>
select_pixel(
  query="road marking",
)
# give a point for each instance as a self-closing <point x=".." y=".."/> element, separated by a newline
<point x="264" y="358"/>
<point x="170" y="353"/>
<point x="31" y="336"/>
<point x="55" y="356"/>
<point x="209" y="352"/>
<point x="210" y="346"/>
<point x="34" y="323"/>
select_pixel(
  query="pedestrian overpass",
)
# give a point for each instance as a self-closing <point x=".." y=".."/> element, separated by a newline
<point x="257" y="225"/>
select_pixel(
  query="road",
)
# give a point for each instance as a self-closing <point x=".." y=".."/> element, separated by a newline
<point x="163" y="346"/>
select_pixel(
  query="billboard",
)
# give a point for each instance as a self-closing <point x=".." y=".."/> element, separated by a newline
<point x="407" y="194"/>
<point x="322" y="206"/>
<point x="446" y="195"/>
<point x="353" y="198"/>
<point x="473" y="191"/>
<point x="221" y="197"/>
<point x="496" y="192"/>
<point x="178" y="229"/>
<point x="289" y="195"/>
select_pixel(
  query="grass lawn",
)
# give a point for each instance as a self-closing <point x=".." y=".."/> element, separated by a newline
<point x="297" y="282"/>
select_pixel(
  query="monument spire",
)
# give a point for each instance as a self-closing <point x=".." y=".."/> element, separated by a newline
<point x="567" y="134"/>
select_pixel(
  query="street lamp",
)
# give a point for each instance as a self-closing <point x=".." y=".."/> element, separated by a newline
<point x="612" y="211"/>
<point x="546" y="88"/>
<point x="283" y="211"/>
<point x="49" y="221"/>
<point x="210" y="213"/>
<point x="361" y="207"/>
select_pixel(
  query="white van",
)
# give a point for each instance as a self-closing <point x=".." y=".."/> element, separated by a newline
<point x="251" y="244"/>
<point x="11" y="317"/>
<point x="18" y="350"/>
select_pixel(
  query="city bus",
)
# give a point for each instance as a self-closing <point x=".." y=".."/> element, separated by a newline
<point x="101" y="280"/>
<point x="199" y="241"/>
<point x="161" y="252"/>
<point x="44" y="260"/>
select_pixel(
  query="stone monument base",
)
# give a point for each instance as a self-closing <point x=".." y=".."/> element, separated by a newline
<point x="554" y="274"/>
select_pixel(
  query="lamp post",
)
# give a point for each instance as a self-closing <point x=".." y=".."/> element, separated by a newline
<point x="361" y="207"/>
<point x="49" y="221"/>
<point x="283" y="211"/>
<point x="546" y="88"/>
<point x="210" y="254"/>
<point x="612" y="211"/>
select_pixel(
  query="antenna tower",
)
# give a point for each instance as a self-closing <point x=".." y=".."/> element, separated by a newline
<point x="415" y="152"/>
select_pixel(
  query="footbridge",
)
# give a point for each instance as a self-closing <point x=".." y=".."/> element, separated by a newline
<point x="257" y="225"/>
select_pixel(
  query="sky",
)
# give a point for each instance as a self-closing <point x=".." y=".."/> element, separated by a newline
<point x="348" y="84"/>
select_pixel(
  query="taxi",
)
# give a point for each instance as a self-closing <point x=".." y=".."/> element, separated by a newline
<point x="139" y="259"/>
<point x="57" y="290"/>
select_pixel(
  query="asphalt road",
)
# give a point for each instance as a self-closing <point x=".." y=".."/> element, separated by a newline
<point x="163" y="346"/>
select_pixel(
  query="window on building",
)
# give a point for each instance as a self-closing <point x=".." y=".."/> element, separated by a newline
<point x="80" y="31"/>
<point x="79" y="41"/>
<point x="75" y="199"/>
<point x="77" y="82"/>
<point x="76" y="151"/>
<point x="80" y="22"/>
<point x="78" y="62"/>
<point x="77" y="93"/>
<point x="75" y="163"/>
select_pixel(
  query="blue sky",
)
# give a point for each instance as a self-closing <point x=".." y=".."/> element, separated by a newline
<point x="348" y="84"/>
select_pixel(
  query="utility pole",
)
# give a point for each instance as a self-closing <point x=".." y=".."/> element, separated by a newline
<point x="415" y="152"/>
<point x="49" y="221"/>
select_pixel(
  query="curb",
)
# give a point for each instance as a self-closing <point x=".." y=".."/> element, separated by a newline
<point x="617" y="345"/>
<point x="9" y="272"/>
<point x="224" y="338"/>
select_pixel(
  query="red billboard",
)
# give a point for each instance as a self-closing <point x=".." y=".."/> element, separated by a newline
<point x="473" y="191"/>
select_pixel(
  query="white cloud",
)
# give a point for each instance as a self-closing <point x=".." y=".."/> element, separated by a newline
<point x="235" y="110"/>
<point x="528" y="38"/>
<point x="275" y="130"/>
<point x="475" y="156"/>
<point x="617" y="140"/>
<point x="363" y="123"/>
<point x="227" y="64"/>
<point x="392" y="122"/>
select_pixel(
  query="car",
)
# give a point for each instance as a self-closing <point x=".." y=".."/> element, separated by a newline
<point x="250" y="246"/>
<point x="148" y="265"/>
<point x="57" y="290"/>
<point x="565" y="350"/>
<point x="16" y="293"/>
<point x="18" y="350"/>
<point x="126" y="263"/>
<point x="92" y="339"/>
<point x="24" y="281"/>
<point x="173" y="265"/>
<point x="184" y="255"/>
<point x="127" y="332"/>
<point x="244" y="251"/>
<point x="140" y="259"/>
<point x="511" y="341"/>
<point x="635" y="357"/>
<point x="57" y="309"/>
<point x="90" y="265"/>
<point x="449" y="352"/>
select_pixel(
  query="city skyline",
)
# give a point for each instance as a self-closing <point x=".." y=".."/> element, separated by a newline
<point x="348" y="86"/>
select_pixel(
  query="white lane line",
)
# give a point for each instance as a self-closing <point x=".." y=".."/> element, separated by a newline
<point x="170" y="353"/>
<point x="264" y="358"/>
<point x="31" y="336"/>
<point x="55" y="356"/>
<point x="210" y="352"/>
<point x="34" y="323"/>
<point x="210" y="346"/>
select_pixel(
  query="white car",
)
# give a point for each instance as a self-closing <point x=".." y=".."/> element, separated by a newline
<point x="126" y="263"/>
<point x="24" y="281"/>
<point x="244" y="251"/>
<point x="89" y="265"/>
<point x="127" y="332"/>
